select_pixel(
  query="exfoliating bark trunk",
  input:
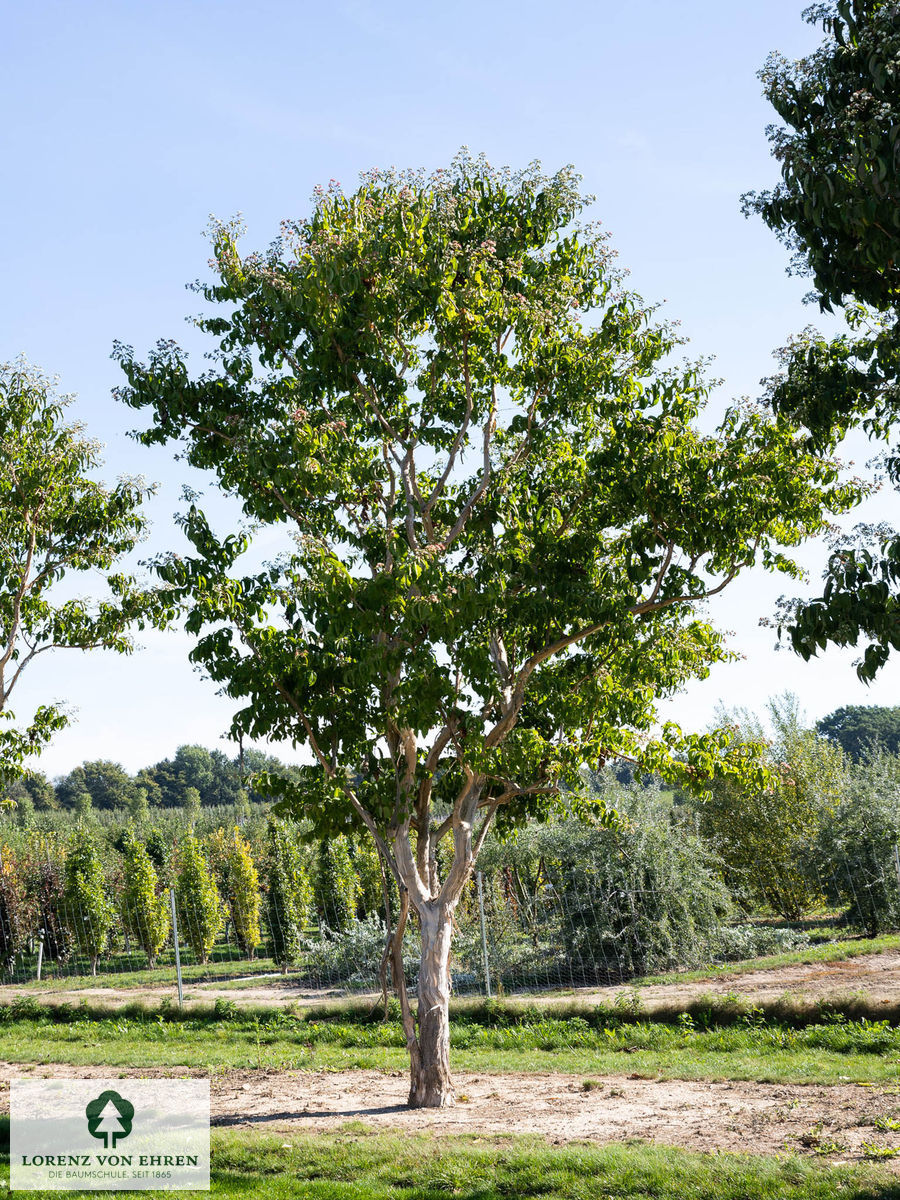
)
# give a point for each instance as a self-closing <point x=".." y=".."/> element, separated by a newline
<point x="430" y="1082"/>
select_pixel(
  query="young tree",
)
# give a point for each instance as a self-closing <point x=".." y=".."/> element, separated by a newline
<point x="836" y="209"/>
<point x="197" y="901"/>
<point x="289" y="894"/>
<point x="242" y="891"/>
<point x="17" y="911"/>
<point x="88" y="911"/>
<point x="44" y="876"/>
<point x="145" y="910"/>
<point x="504" y="521"/>
<point x="55" y="520"/>
<point x="192" y="805"/>
<point x="337" y="884"/>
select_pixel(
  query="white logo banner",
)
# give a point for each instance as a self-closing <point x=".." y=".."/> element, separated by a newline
<point x="109" y="1134"/>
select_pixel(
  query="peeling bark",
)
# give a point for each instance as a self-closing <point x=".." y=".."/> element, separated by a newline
<point x="430" y="1083"/>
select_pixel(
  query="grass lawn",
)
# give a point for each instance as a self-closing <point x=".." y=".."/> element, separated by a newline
<point x="354" y="1164"/>
<point x="833" y="1050"/>
<point x="129" y="971"/>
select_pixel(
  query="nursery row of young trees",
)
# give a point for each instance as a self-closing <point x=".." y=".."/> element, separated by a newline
<point x="106" y="889"/>
<point x="672" y="881"/>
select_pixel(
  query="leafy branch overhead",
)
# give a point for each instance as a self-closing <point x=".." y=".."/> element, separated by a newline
<point x="504" y="518"/>
<point x="837" y="208"/>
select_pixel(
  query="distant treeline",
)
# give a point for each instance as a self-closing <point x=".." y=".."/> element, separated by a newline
<point x="194" y="777"/>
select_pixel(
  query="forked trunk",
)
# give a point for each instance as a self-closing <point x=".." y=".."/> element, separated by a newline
<point x="430" y="1082"/>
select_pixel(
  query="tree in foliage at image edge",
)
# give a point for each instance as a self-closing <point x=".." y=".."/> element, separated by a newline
<point x="503" y="520"/>
<point x="837" y="208"/>
<point x="56" y="521"/>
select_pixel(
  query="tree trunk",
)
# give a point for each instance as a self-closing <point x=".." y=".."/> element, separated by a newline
<point x="430" y="1084"/>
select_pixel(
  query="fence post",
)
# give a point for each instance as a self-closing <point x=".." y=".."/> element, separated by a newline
<point x="177" y="951"/>
<point x="40" y="959"/>
<point x="484" y="946"/>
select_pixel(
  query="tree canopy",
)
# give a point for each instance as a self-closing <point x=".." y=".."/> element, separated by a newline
<point x="837" y="208"/>
<point x="860" y="728"/>
<point x="56" y="520"/>
<point x="504" y="520"/>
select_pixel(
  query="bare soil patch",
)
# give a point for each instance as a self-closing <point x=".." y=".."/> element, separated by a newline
<point x="833" y="1122"/>
<point x="877" y="976"/>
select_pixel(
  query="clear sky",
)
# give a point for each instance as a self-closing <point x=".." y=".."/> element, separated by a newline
<point x="126" y="124"/>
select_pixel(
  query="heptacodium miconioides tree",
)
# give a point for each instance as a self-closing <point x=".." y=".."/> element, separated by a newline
<point x="504" y="521"/>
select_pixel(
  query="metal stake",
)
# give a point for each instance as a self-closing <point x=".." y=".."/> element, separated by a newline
<point x="177" y="951"/>
<point x="484" y="948"/>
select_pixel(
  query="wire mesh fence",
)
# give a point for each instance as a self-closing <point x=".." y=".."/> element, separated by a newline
<point x="560" y="906"/>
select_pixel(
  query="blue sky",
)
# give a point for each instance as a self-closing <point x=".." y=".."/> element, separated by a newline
<point x="126" y="124"/>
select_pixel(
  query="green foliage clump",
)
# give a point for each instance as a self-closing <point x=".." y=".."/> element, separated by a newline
<point x="197" y="901"/>
<point x="289" y="893"/>
<point x="88" y="910"/>
<point x="144" y="909"/>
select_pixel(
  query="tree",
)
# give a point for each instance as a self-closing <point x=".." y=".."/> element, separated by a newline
<point x="145" y="910"/>
<point x="192" y="804"/>
<point x="337" y="884"/>
<point x="241" y="890"/>
<point x="858" y="728"/>
<point x="45" y="885"/>
<point x="139" y="807"/>
<point x="88" y="911"/>
<point x="836" y="208"/>
<point x="17" y="913"/>
<point x="860" y="844"/>
<point x="289" y="893"/>
<point x="34" y="787"/>
<point x="197" y="901"/>
<point x="504" y="520"/>
<point x="55" y="520"/>
<point x="109" y="784"/>
<point x="83" y="805"/>
<point x="768" y="838"/>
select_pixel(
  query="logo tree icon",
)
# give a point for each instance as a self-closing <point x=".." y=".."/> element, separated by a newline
<point x="109" y="1117"/>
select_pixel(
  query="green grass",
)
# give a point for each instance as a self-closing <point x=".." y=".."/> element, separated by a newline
<point x="355" y="1164"/>
<point x="128" y="971"/>
<point x="828" y="951"/>
<point x="747" y="1048"/>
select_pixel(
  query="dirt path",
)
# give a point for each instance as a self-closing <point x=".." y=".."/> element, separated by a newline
<point x="876" y="975"/>
<point x="834" y="1122"/>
